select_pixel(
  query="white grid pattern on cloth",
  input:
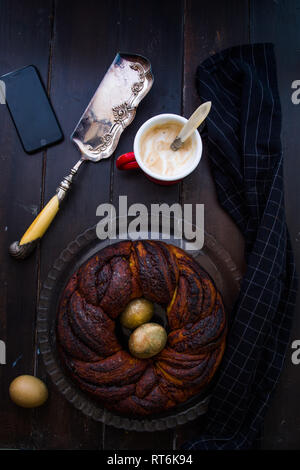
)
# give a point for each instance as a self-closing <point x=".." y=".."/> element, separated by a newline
<point x="248" y="176"/>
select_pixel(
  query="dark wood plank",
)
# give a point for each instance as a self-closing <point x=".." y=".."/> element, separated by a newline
<point x="278" y="22"/>
<point x="155" y="30"/>
<point x="20" y="196"/>
<point x="209" y="28"/>
<point x="84" y="46"/>
<point x="207" y="33"/>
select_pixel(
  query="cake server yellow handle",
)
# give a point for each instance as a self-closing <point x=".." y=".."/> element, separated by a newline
<point x="21" y="249"/>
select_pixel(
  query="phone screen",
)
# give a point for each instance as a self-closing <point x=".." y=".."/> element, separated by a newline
<point x="30" y="109"/>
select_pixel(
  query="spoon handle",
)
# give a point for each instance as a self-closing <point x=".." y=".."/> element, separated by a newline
<point x="21" y="249"/>
<point x="194" y="121"/>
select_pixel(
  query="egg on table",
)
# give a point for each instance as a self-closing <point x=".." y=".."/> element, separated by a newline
<point x="28" y="391"/>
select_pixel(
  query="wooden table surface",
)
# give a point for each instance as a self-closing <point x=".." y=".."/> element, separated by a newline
<point x="72" y="43"/>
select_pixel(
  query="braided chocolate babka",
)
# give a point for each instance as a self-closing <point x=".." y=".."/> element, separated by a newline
<point x="98" y="293"/>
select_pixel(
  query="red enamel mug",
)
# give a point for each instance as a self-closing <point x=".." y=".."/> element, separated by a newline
<point x="133" y="160"/>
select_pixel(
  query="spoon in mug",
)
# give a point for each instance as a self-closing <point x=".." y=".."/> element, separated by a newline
<point x="191" y="125"/>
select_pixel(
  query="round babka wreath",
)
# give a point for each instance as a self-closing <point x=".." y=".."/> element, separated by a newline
<point x="94" y="298"/>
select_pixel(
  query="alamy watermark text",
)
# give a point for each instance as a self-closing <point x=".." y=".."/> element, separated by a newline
<point x="162" y="221"/>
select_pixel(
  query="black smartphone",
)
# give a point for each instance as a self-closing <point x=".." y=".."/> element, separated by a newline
<point x="30" y="108"/>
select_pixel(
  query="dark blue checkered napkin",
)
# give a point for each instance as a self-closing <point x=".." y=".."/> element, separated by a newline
<point x="243" y="132"/>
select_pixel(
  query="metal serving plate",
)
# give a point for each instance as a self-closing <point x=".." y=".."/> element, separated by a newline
<point x="212" y="257"/>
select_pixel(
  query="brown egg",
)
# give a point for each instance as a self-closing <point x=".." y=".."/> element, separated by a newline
<point x="137" y="312"/>
<point x="147" y="340"/>
<point x="28" y="391"/>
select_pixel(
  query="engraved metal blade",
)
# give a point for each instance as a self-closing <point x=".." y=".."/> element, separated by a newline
<point x="113" y="106"/>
